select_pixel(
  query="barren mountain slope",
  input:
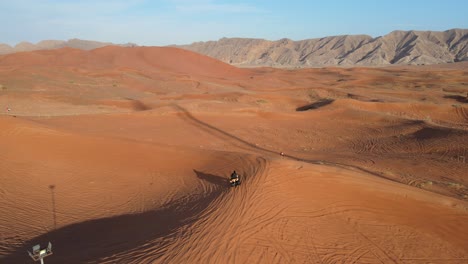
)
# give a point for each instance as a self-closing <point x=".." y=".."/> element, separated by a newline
<point x="398" y="47"/>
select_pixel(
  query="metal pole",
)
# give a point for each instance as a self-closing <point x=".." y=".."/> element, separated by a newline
<point x="42" y="261"/>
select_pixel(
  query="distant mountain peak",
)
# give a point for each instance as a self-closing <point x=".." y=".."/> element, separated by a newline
<point x="56" y="44"/>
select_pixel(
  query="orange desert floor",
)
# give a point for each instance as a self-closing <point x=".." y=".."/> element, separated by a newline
<point x="122" y="155"/>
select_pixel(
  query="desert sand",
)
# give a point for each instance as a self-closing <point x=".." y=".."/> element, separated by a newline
<point x="122" y="155"/>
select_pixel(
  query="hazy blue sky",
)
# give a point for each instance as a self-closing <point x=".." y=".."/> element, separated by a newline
<point x="164" y="22"/>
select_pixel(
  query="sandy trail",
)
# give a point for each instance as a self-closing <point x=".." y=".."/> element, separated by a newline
<point x="123" y="155"/>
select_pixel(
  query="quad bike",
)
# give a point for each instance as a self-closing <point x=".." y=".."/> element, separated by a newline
<point x="234" y="182"/>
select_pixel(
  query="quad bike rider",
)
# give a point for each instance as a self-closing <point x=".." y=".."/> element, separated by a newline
<point x="235" y="179"/>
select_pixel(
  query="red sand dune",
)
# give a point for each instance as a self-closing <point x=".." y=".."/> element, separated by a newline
<point x="173" y="60"/>
<point x="122" y="155"/>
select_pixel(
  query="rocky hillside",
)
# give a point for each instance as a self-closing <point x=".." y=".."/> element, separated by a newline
<point x="397" y="47"/>
<point x="55" y="44"/>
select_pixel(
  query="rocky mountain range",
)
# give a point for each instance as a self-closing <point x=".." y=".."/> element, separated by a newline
<point x="397" y="47"/>
<point x="56" y="44"/>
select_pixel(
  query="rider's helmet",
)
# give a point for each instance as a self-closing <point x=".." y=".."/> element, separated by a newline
<point x="234" y="175"/>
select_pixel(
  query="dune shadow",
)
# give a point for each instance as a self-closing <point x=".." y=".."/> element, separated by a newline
<point x="137" y="105"/>
<point x="432" y="133"/>
<point x="218" y="180"/>
<point x="316" y="105"/>
<point x="363" y="99"/>
<point x="92" y="240"/>
<point x="458" y="98"/>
